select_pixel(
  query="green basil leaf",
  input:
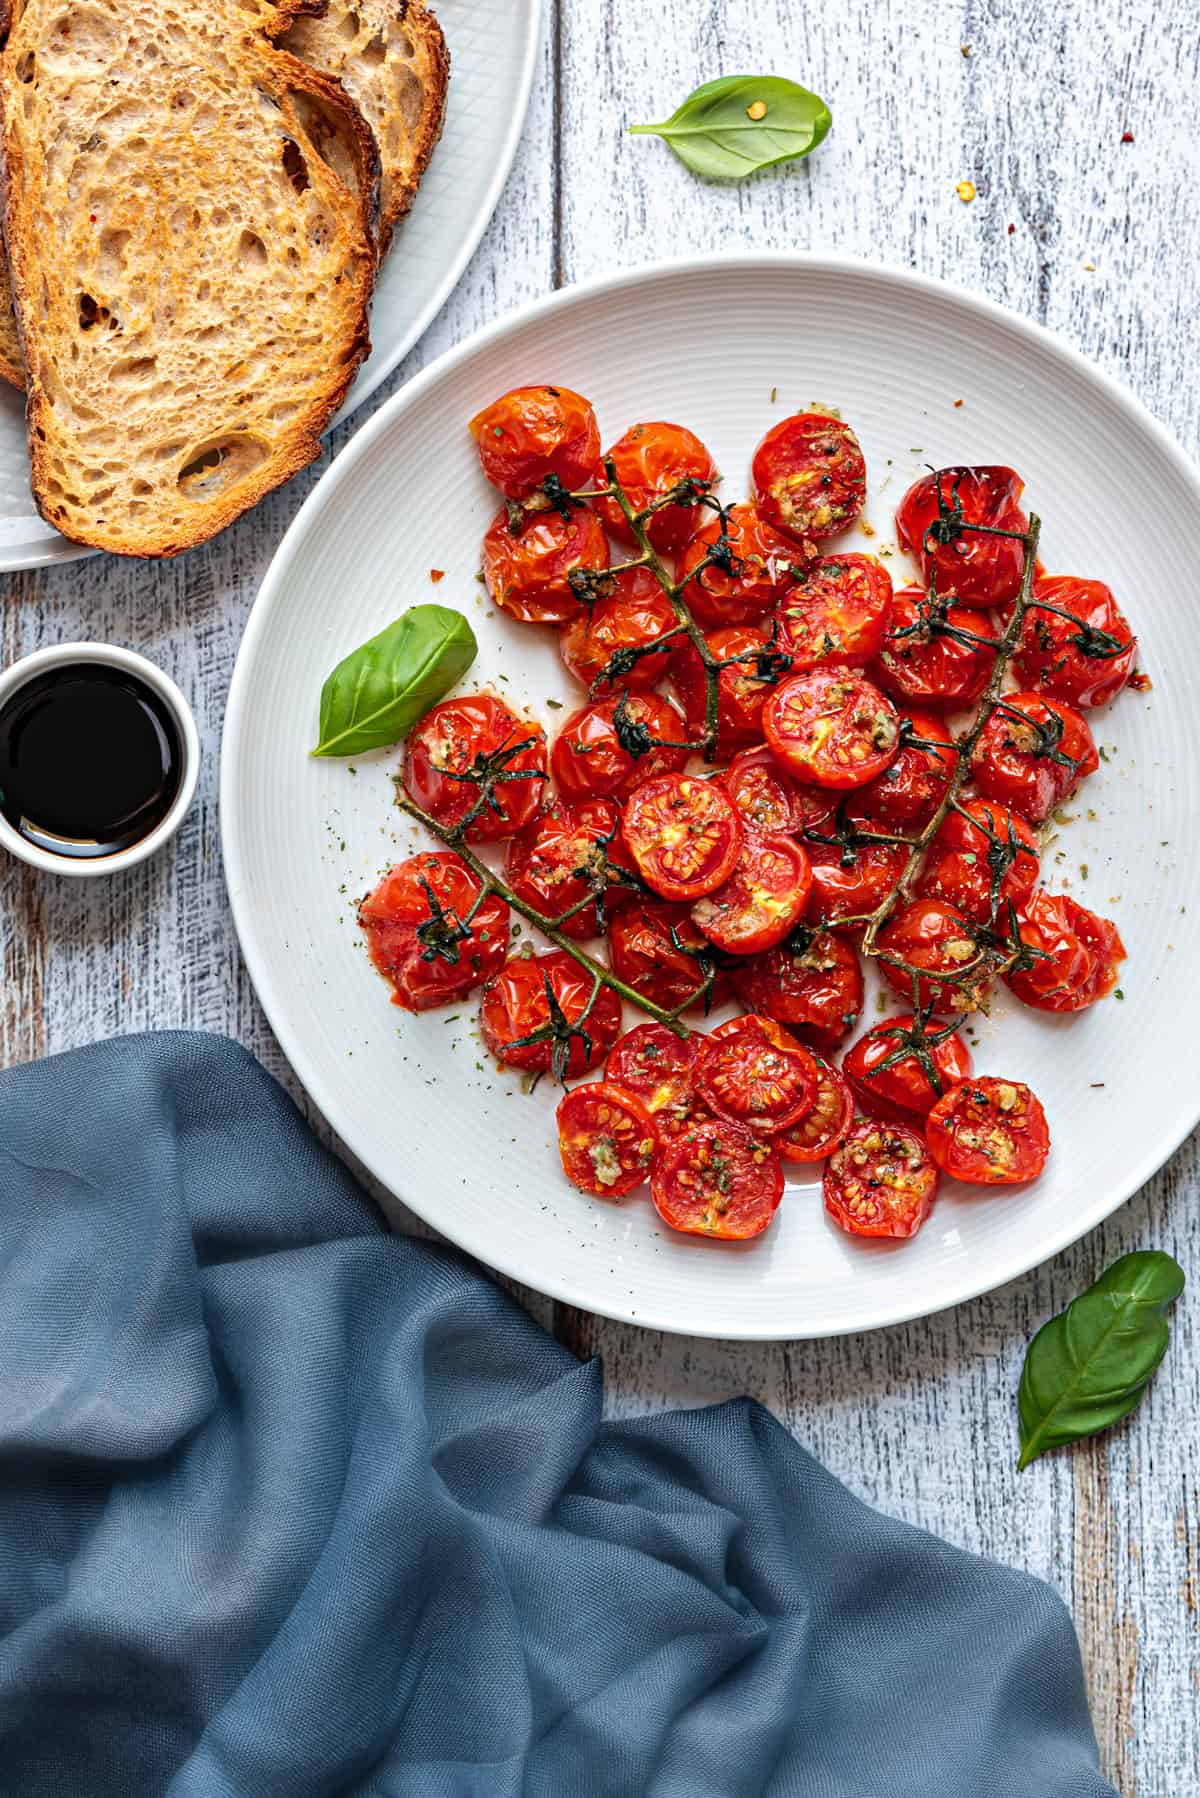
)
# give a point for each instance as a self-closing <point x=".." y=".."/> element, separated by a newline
<point x="382" y="688"/>
<point x="715" y="134"/>
<point x="1088" y="1367"/>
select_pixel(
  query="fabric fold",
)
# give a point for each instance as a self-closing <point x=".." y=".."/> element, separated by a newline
<point x="293" y="1508"/>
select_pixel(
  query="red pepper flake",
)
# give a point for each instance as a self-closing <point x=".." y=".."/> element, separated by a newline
<point x="957" y="403"/>
<point x="1127" y="137"/>
<point x="92" y="217"/>
<point x="437" y="574"/>
<point x="1141" y="683"/>
<point x="1012" y="230"/>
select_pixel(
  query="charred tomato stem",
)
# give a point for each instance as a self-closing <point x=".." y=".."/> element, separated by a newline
<point x="490" y="882"/>
<point x="1003" y="649"/>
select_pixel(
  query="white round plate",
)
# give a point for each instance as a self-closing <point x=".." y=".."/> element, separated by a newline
<point x="493" y="49"/>
<point x="707" y="343"/>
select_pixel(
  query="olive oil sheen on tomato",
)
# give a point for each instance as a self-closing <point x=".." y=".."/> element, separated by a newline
<point x="90" y="761"/>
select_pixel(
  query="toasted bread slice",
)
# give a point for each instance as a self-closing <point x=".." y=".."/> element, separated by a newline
<point x="391" y="58"/>
<point x="188" y="216"/>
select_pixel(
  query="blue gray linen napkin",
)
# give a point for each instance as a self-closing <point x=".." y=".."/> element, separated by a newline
<point x="291" y="1507"/>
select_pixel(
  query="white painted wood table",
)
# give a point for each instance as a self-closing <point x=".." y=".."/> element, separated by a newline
<point x="1098" y="238"/>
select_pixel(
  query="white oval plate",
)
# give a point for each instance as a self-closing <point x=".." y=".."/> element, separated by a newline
<point x="493" y="50"/>
<point x="705" y="343"/>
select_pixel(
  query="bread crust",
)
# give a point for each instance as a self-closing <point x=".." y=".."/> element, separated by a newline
<point x="231" y="450"/>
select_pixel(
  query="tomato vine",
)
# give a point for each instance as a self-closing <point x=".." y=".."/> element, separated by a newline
<point x="999" y="950"/>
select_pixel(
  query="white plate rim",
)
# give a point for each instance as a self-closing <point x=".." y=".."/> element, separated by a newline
<point x="52" y="552"/>
<point x="566" y="1290"/>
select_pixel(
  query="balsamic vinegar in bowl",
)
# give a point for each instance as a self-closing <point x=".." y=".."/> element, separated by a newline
<point x="90" y="761"/>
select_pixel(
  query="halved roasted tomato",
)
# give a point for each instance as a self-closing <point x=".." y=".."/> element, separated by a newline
<point x="606" y="1138"/>
<point x="831" y="727"/>
<point x="989" y="1132"/>
<point x="826" y="1125"/>
<point x="881" y="1181"/>
<point x="810" y="476"/>
<point x="659" y="1067"/>
<point x="716" y="1179"/>
<point x="683" y="833"/>
<point x="837" y="611"/>
<point x="764" y="898"/>
<point x="753" y="1072"/>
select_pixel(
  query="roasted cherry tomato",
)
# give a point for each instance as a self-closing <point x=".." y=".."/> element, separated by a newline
<point x="1086" y="657"/>
<point x="417" y="935"/>
<point x="812" y="983"/>
<point x="881" y="1181"/>
<point x="527" y="571"/>
<point x="515" y="1006"/>
<point x="809" y="476"/>
<point x="854" y="866"/>
<point x="742" y="687"/>
<point x="658" y="951"/>
<point x="606" y="749"/>
<point x="658" y="1066"/>
<point x="470" y="737"/>
<point x="831" y="727"/>
<point x="651" y="460"/>
<point x="597" y="645"/>
<point x="981" y="861"/>
<point x="979" y="570"/>
<point x="928" y="657"/>
<point x="1033" y="754"/>
<point x="889" y="1079"/>
<point x="1077" y="954"/>
<point x="716" y="1179"/>
<point x="931" y="934"/>
<point x="752" y="1072"/>
<point x="764" y="898"/>
<point x="762" y="572"/>
<point x="770" y="800"/>
<point x="989" y="1133"/>
<point x="570" y="854"/>
<point x="827" y="1124"/>
<point x="684" y="834"/>
<point x="838" y="611"/>
<point x="533" y="432"/>
<point x="911" y="788"/>
<point x="606" y="1138"/>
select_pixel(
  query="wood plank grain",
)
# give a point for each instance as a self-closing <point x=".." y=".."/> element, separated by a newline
<point x="920" y="1419"/>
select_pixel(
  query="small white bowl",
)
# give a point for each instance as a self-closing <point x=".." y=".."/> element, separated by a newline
<point x="108" y="655"/>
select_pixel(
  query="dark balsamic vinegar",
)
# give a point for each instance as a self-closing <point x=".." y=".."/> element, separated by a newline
<point x="90" y="760"/>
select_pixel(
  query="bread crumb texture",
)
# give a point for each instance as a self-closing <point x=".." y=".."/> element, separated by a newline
<point x="188" y="221"/>
<point x="391" y="58"/>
